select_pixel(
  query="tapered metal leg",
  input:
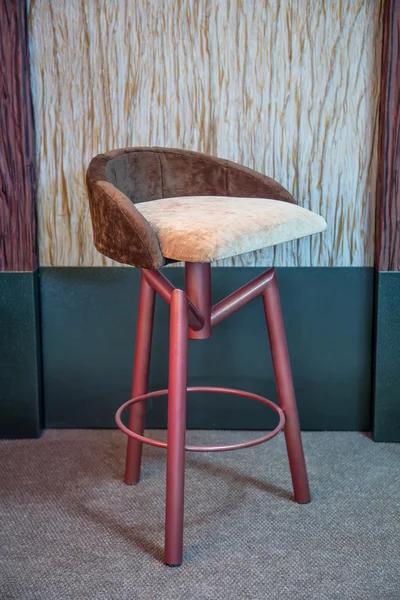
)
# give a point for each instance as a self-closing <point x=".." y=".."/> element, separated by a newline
<point x="177" y="381"/>
<point x="284" y="383"/>
<point x="141" y="364"/>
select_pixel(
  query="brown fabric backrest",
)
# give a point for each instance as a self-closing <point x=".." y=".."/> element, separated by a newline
<point x="117" y="180"/>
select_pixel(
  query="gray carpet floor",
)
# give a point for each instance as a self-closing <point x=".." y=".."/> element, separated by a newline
<point x="70" y="529"/>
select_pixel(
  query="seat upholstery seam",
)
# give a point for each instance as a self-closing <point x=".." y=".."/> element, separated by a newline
<point x="204" y="159"/>
<point x="161" y="174"/>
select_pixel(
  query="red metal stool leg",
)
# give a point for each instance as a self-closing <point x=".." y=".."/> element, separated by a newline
<point x="177" y="381"/>
<point x="284" y="383"/>
<point x="141" y="364"/>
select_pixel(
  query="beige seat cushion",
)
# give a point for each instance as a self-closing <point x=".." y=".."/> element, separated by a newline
<point x="207" y="228"/>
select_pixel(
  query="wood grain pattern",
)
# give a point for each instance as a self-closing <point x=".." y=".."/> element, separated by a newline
<point x="387" y="249"/>
<point x="289" y="88"/>
<point x="17" y="143"/>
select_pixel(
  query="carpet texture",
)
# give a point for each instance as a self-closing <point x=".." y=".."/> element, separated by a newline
<point x="70" y="529"/>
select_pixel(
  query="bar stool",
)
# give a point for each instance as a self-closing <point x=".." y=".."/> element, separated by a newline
<point x="153" y="206"/>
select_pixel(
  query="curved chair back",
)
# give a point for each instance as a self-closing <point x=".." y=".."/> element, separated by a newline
<point x="118" y="179"/>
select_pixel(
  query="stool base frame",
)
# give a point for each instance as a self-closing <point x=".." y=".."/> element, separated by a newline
<point x="192" y="316"/>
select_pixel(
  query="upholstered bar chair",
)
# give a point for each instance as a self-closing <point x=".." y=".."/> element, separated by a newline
<point x="153" y="206"/>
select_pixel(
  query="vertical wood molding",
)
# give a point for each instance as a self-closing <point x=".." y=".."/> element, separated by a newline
<point x="387" y="245"/>
<point x="17" y="143"/>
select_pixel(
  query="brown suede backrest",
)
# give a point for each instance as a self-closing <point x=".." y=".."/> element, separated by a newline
<point x="117" y="180"/>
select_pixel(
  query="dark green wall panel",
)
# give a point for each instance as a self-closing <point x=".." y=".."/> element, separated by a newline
<point x="88" y="319"/>
<point x="20" y="371"/>
<point x="387" y="358"/>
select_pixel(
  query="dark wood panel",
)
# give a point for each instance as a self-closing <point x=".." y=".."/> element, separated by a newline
<point x="17" y="143"/>
<point x="387" y="250"/>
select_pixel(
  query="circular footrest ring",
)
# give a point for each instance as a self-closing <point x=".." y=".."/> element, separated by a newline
<point x="159" y="444"/>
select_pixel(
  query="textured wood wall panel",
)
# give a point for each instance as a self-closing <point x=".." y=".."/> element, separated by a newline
<point x="289" y="88"/>
<point x="387" y="254"/>
<point x="18" y="249"/>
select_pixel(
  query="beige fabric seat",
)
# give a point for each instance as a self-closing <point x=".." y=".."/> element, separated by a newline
<point x="207" y="228"/>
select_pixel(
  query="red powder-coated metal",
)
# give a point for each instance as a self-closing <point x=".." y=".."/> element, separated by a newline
<point x="177" y="380"/>
<point x="242" y="296"/>
<point x="189" y="448"/>
<point x="164" y="288"/>
<point x="191" y="316"/>
<point x="284" y="384"/>
<point x="198" y="289"/>
<point x="160" y="284"/>
<point x="141" y="363"/>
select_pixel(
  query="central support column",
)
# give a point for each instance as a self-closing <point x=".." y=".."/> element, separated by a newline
<point x="198" y="289"/>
